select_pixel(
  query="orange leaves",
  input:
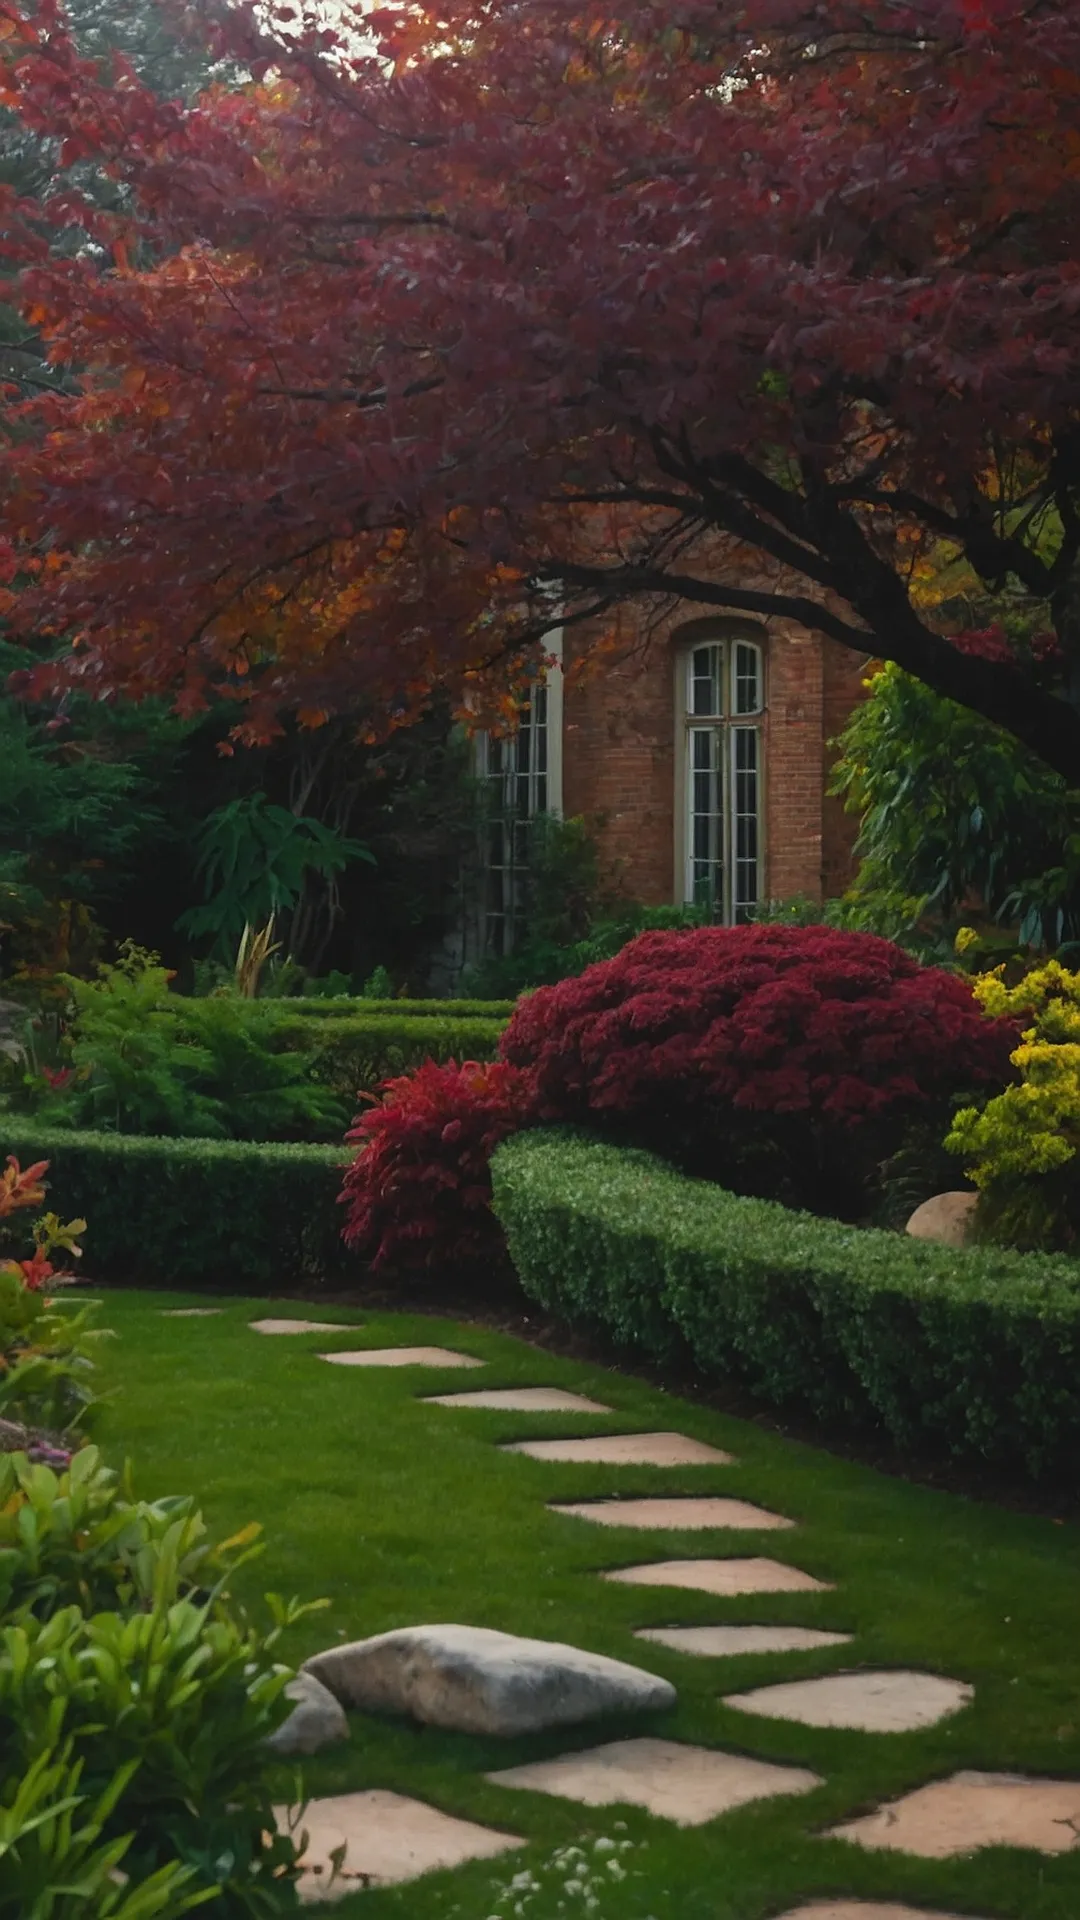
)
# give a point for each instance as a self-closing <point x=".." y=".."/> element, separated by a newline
<point x="21" y="1187"/>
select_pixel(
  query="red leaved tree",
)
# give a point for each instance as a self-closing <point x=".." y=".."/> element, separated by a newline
<point x="792" y="1061"/>
<point x="530" y="296"/>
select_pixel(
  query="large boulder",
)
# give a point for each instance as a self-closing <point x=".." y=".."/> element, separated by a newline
<point x="947" y="1218"/>
<point x="474" y="1680"/>
<point x="316" y="1721"/>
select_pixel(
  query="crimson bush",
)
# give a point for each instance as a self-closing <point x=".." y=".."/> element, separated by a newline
<point x="418" y="1193"/>
<point x="781" y="1060"/>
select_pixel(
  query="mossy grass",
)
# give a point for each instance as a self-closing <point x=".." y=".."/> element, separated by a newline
<point x="401" y="1513"/>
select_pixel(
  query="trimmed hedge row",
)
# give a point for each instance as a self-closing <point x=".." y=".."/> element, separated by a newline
<point x="352" y="1053"/>
<point x="312" y="1007"/>
<point x="217" y="1213"/>
<point x="976" y="1351"/>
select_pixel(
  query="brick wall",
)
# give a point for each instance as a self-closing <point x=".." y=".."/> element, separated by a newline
<point x="619" y="757"/>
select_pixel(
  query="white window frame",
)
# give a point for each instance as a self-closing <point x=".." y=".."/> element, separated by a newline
<point x="727" y="730"/>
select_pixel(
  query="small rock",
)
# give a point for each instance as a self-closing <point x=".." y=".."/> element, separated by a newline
<point x="474" y="1680"/>
<point x="316" y="1720"/>
<point x="947" y="1218"/>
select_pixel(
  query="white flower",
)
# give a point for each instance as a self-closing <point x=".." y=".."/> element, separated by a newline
<point x="603" y="1846"/>
<point x="616" y="1872"/>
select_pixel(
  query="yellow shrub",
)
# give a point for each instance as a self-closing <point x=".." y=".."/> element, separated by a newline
<point x="1016" y="1148"/>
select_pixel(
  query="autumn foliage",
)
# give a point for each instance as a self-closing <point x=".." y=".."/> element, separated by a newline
<point x="453" y="309"/>
<point x="763" y="1055"/>
<point x="418" y="1193"/>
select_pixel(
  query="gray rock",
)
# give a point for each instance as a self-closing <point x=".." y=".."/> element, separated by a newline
<point x="474" y="1680"/>
<point x="946" y="1218"/>
<point x="316" y="1720"/>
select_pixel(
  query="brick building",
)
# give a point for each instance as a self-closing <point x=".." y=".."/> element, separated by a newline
<point x="698" y="754"/>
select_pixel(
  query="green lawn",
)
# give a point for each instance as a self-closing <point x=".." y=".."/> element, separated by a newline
<point x="402" y="1513"/>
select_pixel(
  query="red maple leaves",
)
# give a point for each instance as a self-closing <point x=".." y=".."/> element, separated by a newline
<point x="496" y="299"/>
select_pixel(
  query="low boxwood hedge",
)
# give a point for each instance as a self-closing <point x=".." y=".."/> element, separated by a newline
<point x="974" y="1351"/>
<point x="231" y="1214"/>
<point x="352" y="1053"/>
<point x="317" y="1009"/>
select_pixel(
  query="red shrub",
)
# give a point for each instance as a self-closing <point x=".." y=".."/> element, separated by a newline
<point x="419" y="1191"/>
<point x="725" y="1046"/>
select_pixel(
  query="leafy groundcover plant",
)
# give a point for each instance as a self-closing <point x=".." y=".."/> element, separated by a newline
<point x="135" y="1701"/>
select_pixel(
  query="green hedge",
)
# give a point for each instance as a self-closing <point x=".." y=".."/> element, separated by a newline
<point x="218" y="1213"/>
<point x="355" y="1051"/>
<point x="974" y="1351"/>
<point x="314" y="1008"/>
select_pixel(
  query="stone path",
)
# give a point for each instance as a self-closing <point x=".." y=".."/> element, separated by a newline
<point x="893" y="1702"/>
<point x="401" y="1357"/>
<point x="674" y="1516"/>
<point x="391" y="1838"/>
<point x="719" y="1576"/>
<point x="625" y="1450"/>
<point x="688" y="1785"/>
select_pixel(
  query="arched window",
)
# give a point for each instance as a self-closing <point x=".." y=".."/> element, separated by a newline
<point x="721" y="677"/>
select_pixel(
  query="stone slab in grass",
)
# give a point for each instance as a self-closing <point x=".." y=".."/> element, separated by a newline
<point x="388" y="1838"/>
<point x="627" y="1450"/>
<point x="720" y="1576"/>
<point x="401" y="1357"/>
<point x="300" y="1326"/>
<point x="864" y="1910"/>
<point x="689" y="1785"/>
<point x="685" y="1515"/>
<point x="475" y="1680"/>
<point x="726" y="1642"/>
<point x="973" y="1810"/>
<point x="190" y="1313"/>
<point x="891" y="1702"/>
<point x="520" y="1400"/>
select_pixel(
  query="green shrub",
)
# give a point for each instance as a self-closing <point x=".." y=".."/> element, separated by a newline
<point x="80" y="1538"/>
<point x="353" y="1054"/>
<point x="973" y="1351"/>
<point x="126" y="1666"/>
<point x="147" y="1061"/>
<point x="57" y="1863"/>
<point x="358" y="1004"/>
<point x="224" y="1213"/>
<point x="46" y="1358"/>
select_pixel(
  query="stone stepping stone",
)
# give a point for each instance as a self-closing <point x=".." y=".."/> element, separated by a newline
<point x="891" y="1702"/>
<point x="973" y="1810"/>
<point x="688" y="1785"/>
<point x="720" y="1576"/>
<point x="388" y="1838"/>
<point x="189" y="1313"/>
<point x="299" y="1326"/>
<point x="683" y="1515"/>
<point x="726" y="1642"/>
<point x="477" y="1680"/>
<point x="401" y="1357"/>
<point x="863" y="1910"/>
<point x="520" y="1400"/>
<point x="627" y="1450"/>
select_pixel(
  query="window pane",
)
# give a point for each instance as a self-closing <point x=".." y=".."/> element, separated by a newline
<point x="746" y="746"/>
<point x="515" y="771"/>
<point x="706" y="864"/>
<point x="707" y="682"/>
<point x="746" y="673"/>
